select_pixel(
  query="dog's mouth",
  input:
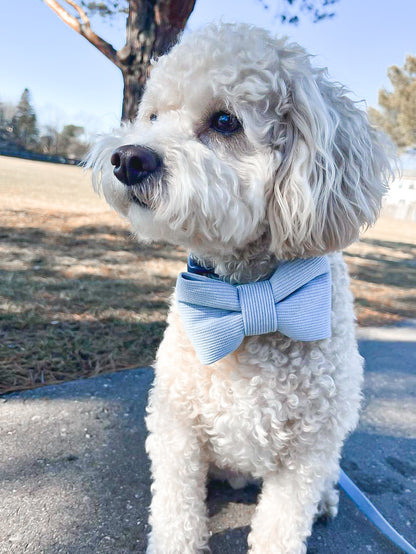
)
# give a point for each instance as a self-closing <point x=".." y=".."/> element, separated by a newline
<point x="148" y="193"/>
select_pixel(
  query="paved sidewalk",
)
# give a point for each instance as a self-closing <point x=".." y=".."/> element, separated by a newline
<point x="74" y="476"/>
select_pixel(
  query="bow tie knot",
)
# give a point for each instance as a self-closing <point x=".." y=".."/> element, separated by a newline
<point x="296" y="301"/>
<point x="257" y="308"/>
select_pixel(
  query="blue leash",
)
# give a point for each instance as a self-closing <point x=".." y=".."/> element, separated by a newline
<point x="371" y="512"/>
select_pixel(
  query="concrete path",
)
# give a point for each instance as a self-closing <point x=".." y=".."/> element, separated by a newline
<point x="74" y="476"/>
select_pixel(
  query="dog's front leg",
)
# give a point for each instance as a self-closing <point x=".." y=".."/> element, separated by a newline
<point x="284" y="516"/>
<point x="178" y="513"/>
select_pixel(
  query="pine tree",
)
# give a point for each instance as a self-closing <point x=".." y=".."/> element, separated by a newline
<point x="24" y="122"/>
<point x="398" y="108"/>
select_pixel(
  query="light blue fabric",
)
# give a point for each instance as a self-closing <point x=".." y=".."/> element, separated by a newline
<point x="296" y="301"/>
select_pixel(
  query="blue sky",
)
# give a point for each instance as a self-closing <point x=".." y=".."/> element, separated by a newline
<point x="71" y="82"/>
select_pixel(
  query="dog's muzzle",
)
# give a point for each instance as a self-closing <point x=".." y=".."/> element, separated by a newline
<point x="137" y="167"/>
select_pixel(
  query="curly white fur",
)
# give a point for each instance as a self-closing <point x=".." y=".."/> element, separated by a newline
<point x="303" y="176"/>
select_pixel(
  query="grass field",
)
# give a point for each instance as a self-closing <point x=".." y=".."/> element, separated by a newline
<point x="80" y="297"/>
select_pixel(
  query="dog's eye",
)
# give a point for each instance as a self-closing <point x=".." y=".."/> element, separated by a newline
<point x="225" y="123"/>
<point x="153" y="116"/>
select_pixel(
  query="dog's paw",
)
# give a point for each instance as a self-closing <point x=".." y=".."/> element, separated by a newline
<point x="275" y="548"/>
<point x="328" y="505"/>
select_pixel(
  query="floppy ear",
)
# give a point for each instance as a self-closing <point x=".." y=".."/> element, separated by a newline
<point x="332" y="167"/>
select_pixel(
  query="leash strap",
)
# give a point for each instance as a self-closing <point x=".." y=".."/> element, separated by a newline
<point x="371" y="512"/>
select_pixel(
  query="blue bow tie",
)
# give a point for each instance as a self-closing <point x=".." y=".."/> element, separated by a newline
<point x="296" y="301"/>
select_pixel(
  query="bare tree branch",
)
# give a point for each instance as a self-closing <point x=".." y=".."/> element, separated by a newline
<point x="83" y="16"/>
<point x="83" y="27"/>
<point x="64" y="15"/>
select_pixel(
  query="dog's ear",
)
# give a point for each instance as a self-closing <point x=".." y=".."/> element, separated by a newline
<point x="332" y="169"/>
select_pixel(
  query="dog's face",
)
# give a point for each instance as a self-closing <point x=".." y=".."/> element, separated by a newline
<point x="238" y="139"/>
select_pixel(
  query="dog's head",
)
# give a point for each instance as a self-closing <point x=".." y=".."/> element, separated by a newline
<point x="237" y="138"/>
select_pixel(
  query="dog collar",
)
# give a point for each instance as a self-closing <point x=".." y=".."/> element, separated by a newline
<point x="196" y="268"/>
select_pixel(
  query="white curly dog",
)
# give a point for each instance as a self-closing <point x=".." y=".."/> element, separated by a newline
<point x="248" y="156"/>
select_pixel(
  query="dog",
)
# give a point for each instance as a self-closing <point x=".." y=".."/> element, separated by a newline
<point x="252" y="159"/>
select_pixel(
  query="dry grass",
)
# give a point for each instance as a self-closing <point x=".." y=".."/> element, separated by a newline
<point x="383" y="272"/>
<point x="80" y="297"/>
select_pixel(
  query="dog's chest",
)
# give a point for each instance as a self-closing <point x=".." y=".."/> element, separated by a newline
<point x="259" y="405"/>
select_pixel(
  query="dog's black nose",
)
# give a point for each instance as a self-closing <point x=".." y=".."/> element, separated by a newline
<point x="132" y="164"/>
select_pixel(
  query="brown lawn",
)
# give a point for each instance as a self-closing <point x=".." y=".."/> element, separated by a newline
<point x="80" y="297"/>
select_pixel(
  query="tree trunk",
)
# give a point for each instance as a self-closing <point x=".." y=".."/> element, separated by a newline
<point x="152" y="28"/>
<point x="134" y="82"/>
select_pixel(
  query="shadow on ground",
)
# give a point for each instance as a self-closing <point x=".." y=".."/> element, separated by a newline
<point x="82" y="297"/>
<point x="382" y="264"/>
<point x="383" y="275"/>
<point x="76" y="477"/>
<point x="80" y="302"/>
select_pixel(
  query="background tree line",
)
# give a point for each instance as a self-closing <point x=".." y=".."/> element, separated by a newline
<point x="19" y="127"/>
